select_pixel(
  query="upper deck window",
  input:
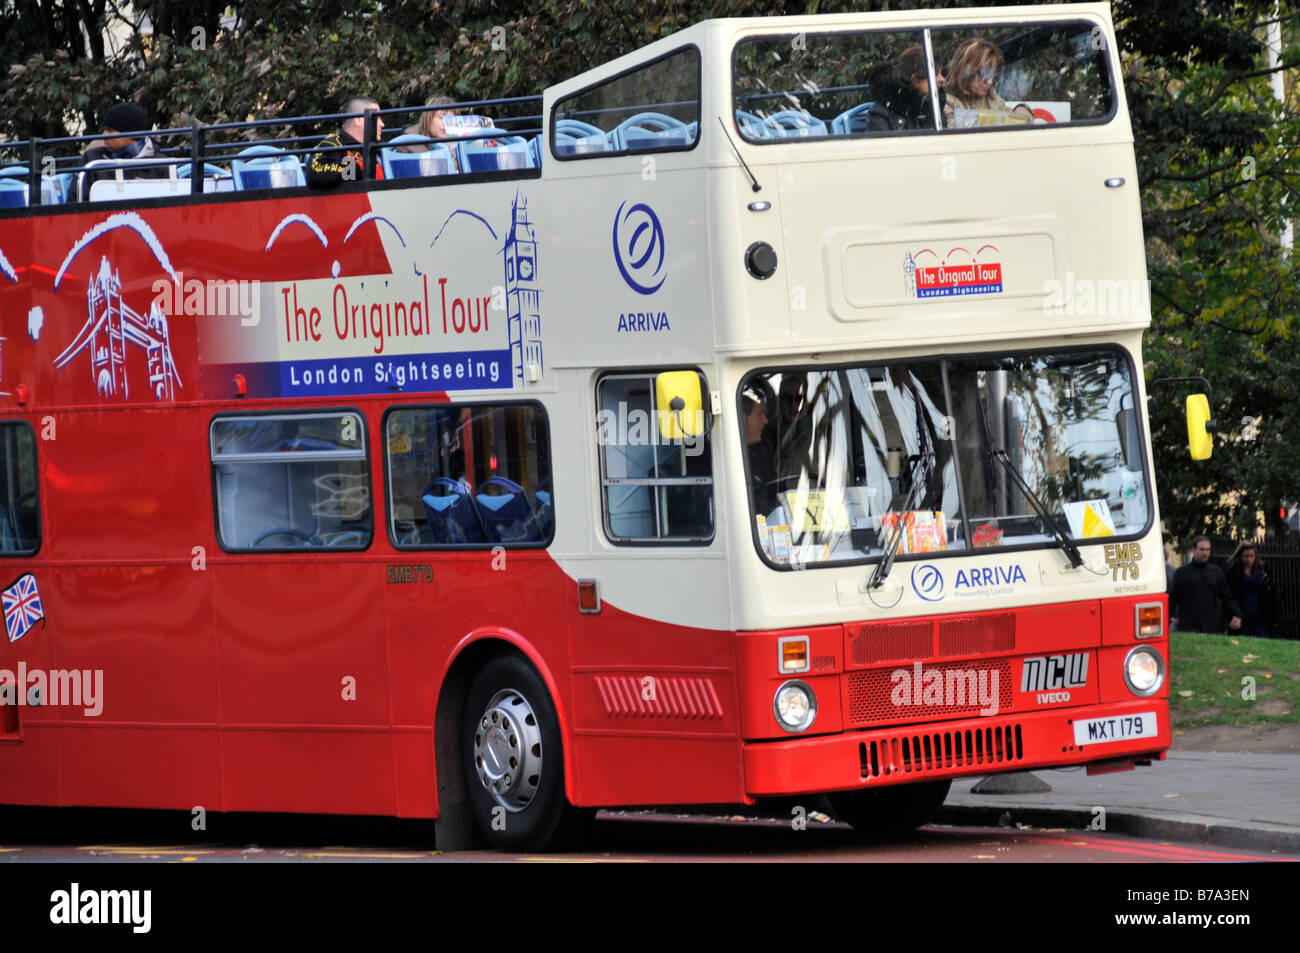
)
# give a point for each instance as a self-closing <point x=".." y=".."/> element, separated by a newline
<point x="652" y="108"/>
<point x="881" y="83"/>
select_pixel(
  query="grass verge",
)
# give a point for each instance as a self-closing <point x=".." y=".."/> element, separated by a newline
<point x="1233" y="680"/>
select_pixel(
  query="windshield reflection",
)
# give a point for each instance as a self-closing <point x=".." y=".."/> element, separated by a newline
<point x="832" y="456"/>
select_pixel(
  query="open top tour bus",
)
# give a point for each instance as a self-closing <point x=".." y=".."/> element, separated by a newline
<point x="762" y="416"/>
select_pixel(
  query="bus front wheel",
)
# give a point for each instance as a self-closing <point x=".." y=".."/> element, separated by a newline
<point x="890" y="810"/>
<point x="514" y="760"/>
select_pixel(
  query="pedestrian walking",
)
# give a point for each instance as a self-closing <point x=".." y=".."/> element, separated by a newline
<point x="1200" y="593"/>
<point x="1253" y="591"/>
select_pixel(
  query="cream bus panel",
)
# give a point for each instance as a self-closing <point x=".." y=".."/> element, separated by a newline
<point x="628" y="262"/>
<point x="869" y="273"/>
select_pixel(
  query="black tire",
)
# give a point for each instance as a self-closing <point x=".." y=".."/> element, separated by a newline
<point x="890" y="810"/>
<point x="513" y="760"/>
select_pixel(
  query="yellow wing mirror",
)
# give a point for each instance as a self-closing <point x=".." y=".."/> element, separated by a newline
<point x="679" y="395"/>
<point x="1199" y="422"/>
<point x="1199" y="427"/>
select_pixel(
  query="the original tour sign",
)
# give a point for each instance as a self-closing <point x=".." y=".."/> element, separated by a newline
<point x="463" y="315"/>
<point x="928" y="274"/>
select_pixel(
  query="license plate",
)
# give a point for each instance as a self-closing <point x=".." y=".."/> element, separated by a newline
<point x="1092" y="731"/>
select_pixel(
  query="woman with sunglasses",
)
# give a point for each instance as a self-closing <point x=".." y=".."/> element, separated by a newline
<point x="972" y="73"/>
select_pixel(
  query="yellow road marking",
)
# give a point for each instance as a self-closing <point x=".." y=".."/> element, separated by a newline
<point x="339" y="852"/>
<point x="155" y="851"/>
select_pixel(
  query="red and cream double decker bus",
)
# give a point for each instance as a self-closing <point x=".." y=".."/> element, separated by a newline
<point x="763" y="415"/>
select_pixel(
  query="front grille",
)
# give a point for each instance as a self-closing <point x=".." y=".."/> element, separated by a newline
<point x="915" y="753"/>
<point x="977" y="634"/>
<point x="823" y="663"/>
<point x="879" y="696"/>
<point x="982" y="633"/>
<point x="890" y="641"/>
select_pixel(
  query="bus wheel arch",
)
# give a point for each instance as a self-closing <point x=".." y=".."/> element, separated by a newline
<point x="496" y="707"/>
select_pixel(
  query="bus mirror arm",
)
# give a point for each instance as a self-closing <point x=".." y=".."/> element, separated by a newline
<point x="725" y="132"/>
<point x="1211" y="425"/>
<point x="1200" y="425"/>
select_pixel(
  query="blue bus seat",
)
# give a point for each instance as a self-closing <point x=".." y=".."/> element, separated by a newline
<point x="266" y="167"/>
<point x="13" y="186"/>
<point x="853" y="120"/>
<point x="795" y="122"/>
<point x="508" y="515"/>
<point x="575" y="137"/>
<point x="752" y="126"/>
<point x="436" y="160"/>
<point x="649" y="131"/>
<point x="497" y="149"/>
<point x="453" y="514"/>
<point x="215" y="178"/>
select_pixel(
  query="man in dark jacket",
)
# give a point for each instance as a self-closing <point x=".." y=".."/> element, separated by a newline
<point x="326" y="170"/>
<point x="1198" y="588"/>
<point x="119" y="119"/>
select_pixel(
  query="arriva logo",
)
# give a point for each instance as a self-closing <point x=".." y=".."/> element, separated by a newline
<point x="927" y="581"/>
<point x="639" y="247"/>
<point x="988" y="576"/>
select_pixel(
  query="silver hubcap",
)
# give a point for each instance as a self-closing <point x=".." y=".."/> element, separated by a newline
<point x="508" y="750"/>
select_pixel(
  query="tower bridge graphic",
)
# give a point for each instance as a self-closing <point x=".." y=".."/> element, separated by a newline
<point x="111" y="326"/>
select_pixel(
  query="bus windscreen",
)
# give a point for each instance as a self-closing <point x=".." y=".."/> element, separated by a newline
<point x="838" y="458"/>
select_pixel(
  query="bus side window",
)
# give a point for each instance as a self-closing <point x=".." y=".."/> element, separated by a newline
<point x="292" y="481"/>
<point x="469" y="476"/>
<point x="20" y="523"/>
<point x="653" y="489"/>
<point x="654" y="107"/>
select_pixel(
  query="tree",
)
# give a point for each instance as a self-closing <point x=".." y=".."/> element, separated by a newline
<point x="1217" y="161"/>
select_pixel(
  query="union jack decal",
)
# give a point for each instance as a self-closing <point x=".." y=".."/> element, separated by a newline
<point x="22" y="607"/>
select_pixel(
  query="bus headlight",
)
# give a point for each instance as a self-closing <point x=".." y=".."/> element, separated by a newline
<point x="1144" y="671"/>
<point x="795" y="706"/>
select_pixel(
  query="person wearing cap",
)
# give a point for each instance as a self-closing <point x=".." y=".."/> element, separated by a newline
<point x="330" y="166"/>
<point x="120" y="119"/>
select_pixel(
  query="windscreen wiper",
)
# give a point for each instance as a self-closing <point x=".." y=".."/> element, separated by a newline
<point x="1071" y="550"/>
<point x="922" y="468"/>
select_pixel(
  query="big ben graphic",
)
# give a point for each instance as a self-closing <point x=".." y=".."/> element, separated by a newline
<point x="523" y="298"/>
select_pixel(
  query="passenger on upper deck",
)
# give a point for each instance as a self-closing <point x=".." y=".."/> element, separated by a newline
<point x="432" y="125"/>
<point x="902" y="94"/>
<point x="120" y="118"/>
<point x="972" y="73"/>
<point x="326" y="170"/>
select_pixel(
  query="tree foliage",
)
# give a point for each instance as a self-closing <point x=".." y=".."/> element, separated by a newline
<point x="1216" y="152"/>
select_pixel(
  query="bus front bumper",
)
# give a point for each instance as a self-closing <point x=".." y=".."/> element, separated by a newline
<point x="952" y="749"/>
